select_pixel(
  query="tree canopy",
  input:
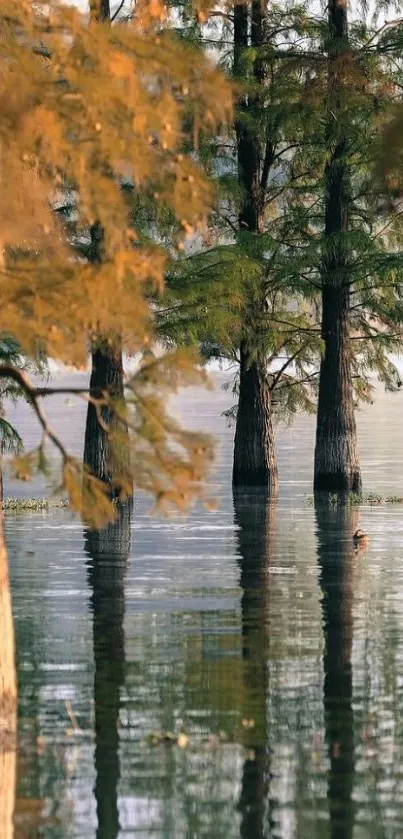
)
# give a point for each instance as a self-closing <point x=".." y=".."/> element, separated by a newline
<point x="96" y="117"/>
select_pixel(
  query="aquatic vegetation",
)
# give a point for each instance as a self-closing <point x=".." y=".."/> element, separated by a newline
<point x="355" y="499"/>
<point x="19" y="504"/>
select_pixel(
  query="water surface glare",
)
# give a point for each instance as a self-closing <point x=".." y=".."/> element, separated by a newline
<point x="255" y="630"/>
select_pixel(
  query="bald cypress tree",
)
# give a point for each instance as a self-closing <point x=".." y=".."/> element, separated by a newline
<point x="107" y="374"/>
<point x="336" y="451"/>
<point x="299" y="284"/>
<point x="254" y="461"/>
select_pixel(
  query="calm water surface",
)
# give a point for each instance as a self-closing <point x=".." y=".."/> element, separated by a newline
<point x="255" y="630"/>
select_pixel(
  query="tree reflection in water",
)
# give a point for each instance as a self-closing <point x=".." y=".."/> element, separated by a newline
<point x="255" y="517"/>
<point x="335" y="525"/>
<point x="108" y="552"/>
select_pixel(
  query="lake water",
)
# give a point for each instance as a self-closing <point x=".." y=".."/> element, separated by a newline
<point x="255" y="630"/>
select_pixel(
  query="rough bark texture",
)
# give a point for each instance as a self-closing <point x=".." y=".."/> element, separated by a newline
<point x="254" y="445"/>
<point x="254" y="448"/>
<point x="336" y="452"/>
<point x="255" y="517"/>
<point x="113" y="541"/>
<point x="106" y="375"/>
<point x="8" y="699"/>
<point x="106" y="576"/>
<point x="335" y="528"/>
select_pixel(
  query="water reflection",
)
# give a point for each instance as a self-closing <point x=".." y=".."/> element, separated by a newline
<point x="335" y="525"/>
<point x="108" y="552"/>
<point x="255" y="517"/>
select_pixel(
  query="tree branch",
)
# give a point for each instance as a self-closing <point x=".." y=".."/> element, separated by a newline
<point x="118" y="10"/>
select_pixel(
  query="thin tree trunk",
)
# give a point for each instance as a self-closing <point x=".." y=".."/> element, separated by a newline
<point x="335" y="527"/>
<point x="336" y="452"/>
<point x="254" y="446"/>
<point x="8" y="698"/>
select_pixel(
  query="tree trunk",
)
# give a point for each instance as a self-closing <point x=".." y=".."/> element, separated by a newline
<point x="336" y="452"/>
<point x="254" y="446"/>
<point x="8" y="698"/>
<point x="106" y="460"/>
<point x="335" y="528"/>
<point x="106" y="369"/>
<point x="254" y="449"/>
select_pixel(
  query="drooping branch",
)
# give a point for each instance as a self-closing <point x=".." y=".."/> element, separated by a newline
<point x="22" y="379"/>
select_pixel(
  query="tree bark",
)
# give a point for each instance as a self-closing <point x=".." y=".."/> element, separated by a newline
<point x="335" y="528"/>
<point x="336" y="453"/>
<point x="8" y="698"/>
<point x="254" y="448"/>
<point x="254" y="461"/>
<point x="106" y="460"/>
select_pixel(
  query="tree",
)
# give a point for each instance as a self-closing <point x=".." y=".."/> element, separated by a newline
<point x="254" y="447"/>
<point x="106" y="368"/>
<point x="271" y="289"/>
<point x="83" y="107"/>
<point x="242" y="298"/>
<point x="361" y="255"/>
<point x="127" y="126"/>
<point x="336" y="451"/>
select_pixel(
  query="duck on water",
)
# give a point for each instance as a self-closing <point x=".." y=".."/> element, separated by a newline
<point x="360" y="539"/>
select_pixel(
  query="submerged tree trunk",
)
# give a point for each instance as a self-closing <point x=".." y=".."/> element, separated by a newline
<point x="336" y="452"/>
<point x="105" y="459"/>
<point x="335" y="527"/>
<point x="254" y="449"/>
<point x="254" y="446"/>
<point x="8" y="698"/>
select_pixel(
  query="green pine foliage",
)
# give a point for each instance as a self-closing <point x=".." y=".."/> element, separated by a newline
<point x="215" y="290"/>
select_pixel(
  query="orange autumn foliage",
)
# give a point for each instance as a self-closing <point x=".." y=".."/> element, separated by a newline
<point x="85" y="109"/>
